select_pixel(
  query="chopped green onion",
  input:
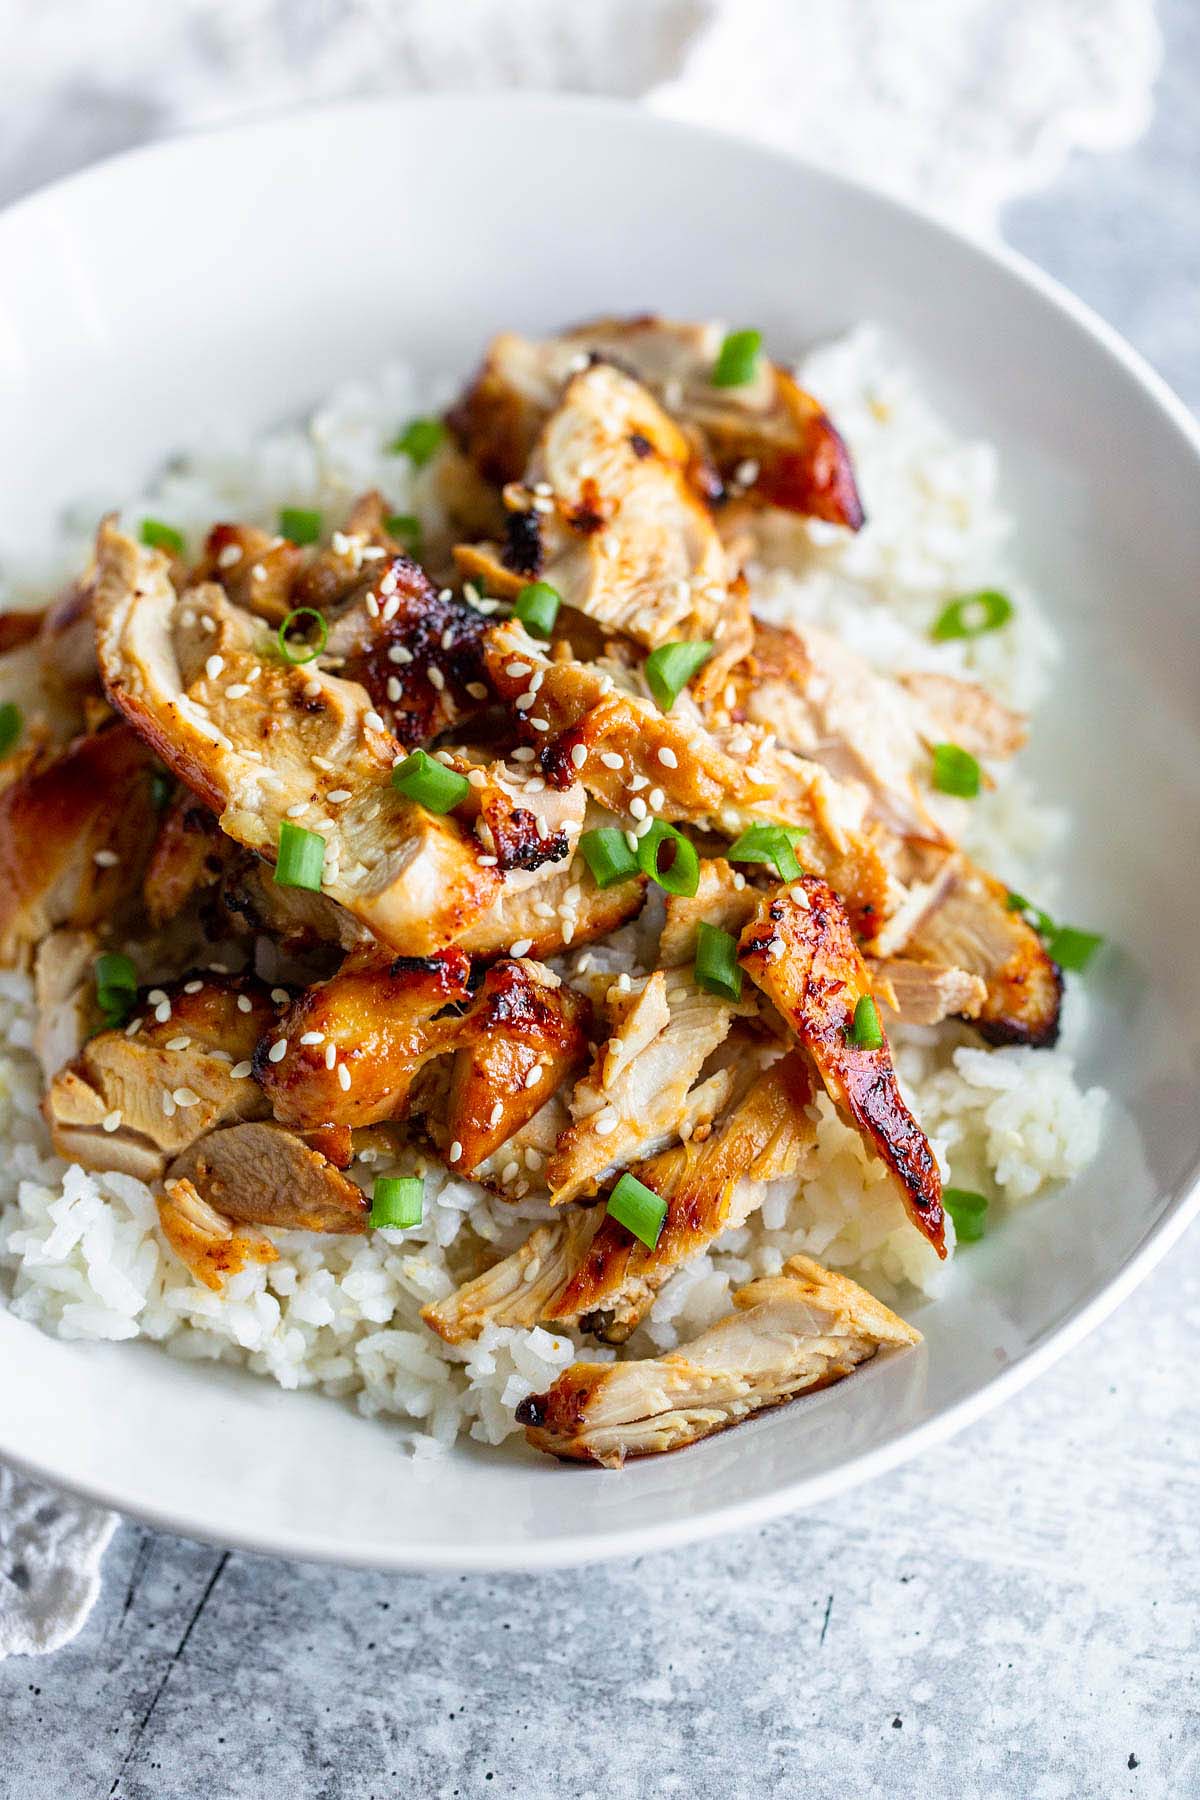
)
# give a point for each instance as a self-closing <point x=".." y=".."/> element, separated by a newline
<point x="418" y="441"/>
<point x="537" y="607"/>
<point x="737" y="360"/>
<point x="1072" y="949"/>
<point x="306" y="650"/>
<point x="162" y="537"/>
<point x="682" y="872"/>
<point x="772" y="844"/>
<point x="397" y="1201"/>
<point x="608" y="856"/>
<point x="955" y="771"/>
<point x="972" y="614"/>
<point x="638" y="1208"/>
<point x="10" y="726"/>
<point x="299" y="524"/>
<point x="717" y="968"/>
<point x="866" y="1033"/>
<point x="421" y="777"/>
<point x="406" y="529"/>
<point x="116" y="987"/>
<point x="671" y="667"/>
<point x="967" y="1210"/>
<point x="300" y="859"/>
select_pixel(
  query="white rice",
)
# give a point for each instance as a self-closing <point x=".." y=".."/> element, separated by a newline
<point x="83" y="1253"/>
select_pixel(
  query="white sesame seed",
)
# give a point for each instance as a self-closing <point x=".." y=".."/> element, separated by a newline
<point x="656" y="797"/>
<point x="638" y="782"/>
<point x="229" y="556"/>
<point x="445" y="595"/>
<point x="106" y="859"/>
<point x="312" y="1037"/>
<point x="213" y="667"/>
<point x="436" y="678"/>
<point x="579" y="755"/>
<point x="112" y="1120"/>
<point x="344" y="1078"/>
<point x="237" y="691"/>
<point x="240" y="1070"/>
<point x="488" y="862"/>
<point x="178" y="1043"/>
<point x="258" y="572"/>
<point x="534" y="1076"/>
<point x="606" y="1124"/>
<point x="133" y="1027"/>
<point x="155" y="996"/>
<point x="207" y="620"/>
<point x="335" y="796"/>
<point x="330" y="1055"/>
<point x="168" y="1104"/>
<point x="455" y="1151"/>
<point x="394" y="690"/>
<point x="278" y="1050"/>
<point x="510" y="1172"/>
<point x="526" y="699"/>
<point x="518" y="669"/>
<point x="644" y="825"/>
<point x="244" y="1003"/>
<point x="301" y="806"/>
<point x="542" y="503"/>
<point x="390" y="608"/>
<point x="611" y="760"/>
<point x="192" y="987"/>
<point x="540" y="724"/>
<point x="162" y="1012"/>
<point x="497" y="1113"/>
<point x="637" y="807"/>
<point x="522" y="947"/>
<point x="533" y="1158"/>
<point x="739" y="880"/>
<point x="668" y="758"/>
<point x="746" y="472"/>
<point x="524" y="754"/>
<point x="477" y="690"/>
<point x="373" y="719"/>
<point x="536" y="786"/>
<point x="280" y="996"/>
<point x="631" y="838"/>
<point x="543" y="487"/>
<point x="399" y="654"/>
<point x="184" y="1096"/>
<point x="313" y="689"/>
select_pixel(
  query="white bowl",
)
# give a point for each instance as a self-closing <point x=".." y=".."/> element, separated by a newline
<point x="240" y="276"/>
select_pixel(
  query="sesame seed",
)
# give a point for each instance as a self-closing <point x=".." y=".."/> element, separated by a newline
<point x="301" y="806"/>
<point x="579" y="755"/>
<point x="445" y="595"/>
<point x="155" y="996"/>
<point x="477" y="690"/>
<point x="313" y="689"/>
<point x="524" y="754"/>
<point x="534" y="1076"/>
<point x="344" y="1078"/>
<point x="606" y="1124"/>
<point x="240" y="1070"/>
<point x="522" y="947"/>
<point x="168" y="1104"/>
<point x="637" y="807"/>
<point x="611" y="760"/>
<point x="455" y="1151"/>
<point x="510" y="1172"/>
<point x="335" y="796"/>
<point x="278" y="1050"/>
<point x="488" y="862"/>
<point x="208" y="622"/>
<point x="526" y="699"/>
<point x="133" y="1027"/>
<point x="436" y="678"/>
<point x="399" y="654"/>
<point x="518" y="669"/>
<point x="668" y="758"/>
<point x="339" y="542"/>
<point x="106" y="859"/>
<point x="313" y="1037"/>
<point x="185" y="1096"/>
<point x="638" y="782"/>
<point x="542" y="503"/>
<point x="739" y="880"/>
<point x="244" y="1003"/>
<point x="238" y="691"/>
<point x="330" y="1055"/>
<point x="656" y="797"/>
<point x="533" y="1158"/>
<point x="258" y="572"/>
<point x="631" y="838"/>
<point x="543" y="487"/>
<point x="644" y="825"/>
<point x="192" y="987"/>
<point x="540" y="724"/>
<point x="746" y="472"/>
<point x="536" y="786"/>
<point x="497" y="1113"/>
<point x="394" y="690"/>
<point x="112" y="1120"/>
<point x="178" y="1043"/>
<point x="229" y="556"/>
<point x="213" y="667"/>
<point x="373" y="719"/>
<point x="280" y="996"/>
<point x="162" y="1012"/>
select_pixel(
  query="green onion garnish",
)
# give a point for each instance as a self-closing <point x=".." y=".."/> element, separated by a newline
<point x="305" y="650"/>
<point x="116" y="987"/>
<point x="972" y="614"/>
<point x="162" y="537"/>
<point x="397" y="1201"/>
<point x="422" y="778"/>
<point x="537" y="607"/>
<point x="638" y="1208"/>
<point x="300" y="859"/>
<point x="608" y="856"/>
<point x="866" y="1033"/>
<point x="300" y="525"/>
<point x="737" y="360"/>
<point x="967" y="1210"/>
<point x="671" y="667"/>
<point x="955" y="771"/>
<point x="418" y="441"/>
<point x="10" y="726"/>
<point x="717" y="970"/>
<point x="772" y="844"/>
<point x="406" y="529"/>
<point x="1071" y="948"/>
<point x="682" y="872"/>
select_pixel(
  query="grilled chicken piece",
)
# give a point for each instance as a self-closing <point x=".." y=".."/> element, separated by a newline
<point x="190" y="853"/>
<point x="563" y="907"/>
<point x="256" y="570"/>
<point x="789" y="1333"/>
<point x="625" y="541"/>
<point x="800" y="951"/>
<point x="74" y="831"/>
<point x="768" y="437"/>
<point x="260" y="741"/>
<point x="587" y="1270"/>
<point x="205" y="1240"/>
<point x="964" y="713"/>
<point x="924" y="993"/>
<point x="968" y="926"/>
<point x="133" y="1102"/>
<point x="251" y="902"/>
<point x="581" y="721"/>
<point x="647" y="1102"/>
<point x="64" y="991"/>
<point x="258" y="1174"/>
<point x="723" y="898"/>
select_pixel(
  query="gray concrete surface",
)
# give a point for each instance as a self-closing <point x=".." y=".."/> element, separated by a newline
<point x="1016" y="1615"/>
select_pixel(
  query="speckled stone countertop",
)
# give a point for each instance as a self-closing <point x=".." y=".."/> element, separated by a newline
<point x="1016" y="1614"/>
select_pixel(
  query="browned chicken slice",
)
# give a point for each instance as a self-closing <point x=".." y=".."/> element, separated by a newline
<point x="788" y="1334"/>
<point x="630" y="1105"/>
<point x="204" y="1239"/>
<point x="260" y="1174"/>
<point x="587" y="1270"/>
<point x="249" y="901"/>
<point x="135" y="1098"/>
<point x="723" y="898"/>
<point x="190" y="853"/>
<point x="75" y="828"/>
<point x="620" y="532"/>
<point x="964" y="713"/>
<point x="922" y="993"/>
<point x="256" y="569"/>
<point x="799" y="949"/>
<point x="262" y="741"/>
<point x="563" y="907"/>
<point x="629" y="755"/>
<point x="768" y="437"/>
<point x="64" y="992"/>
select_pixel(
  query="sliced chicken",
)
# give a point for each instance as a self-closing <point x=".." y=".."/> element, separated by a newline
<point x="587" y="1270"/>
<point x="788" y="1334"/>
<point x="190" y="854"/>
<point x="64" y="992"/>
<point x="561" y="908"/>
<point x="261" y="741"/>
<point x="647" y="1102"/>
<point x="135" y="1098"/>
<point x="964" y="713"/>
<point x="768" y="438"/>
<point x="620" y="532"/>
<point x="204" y="1239"/>
<point x="723" y="898"/>
<point x="799" y="949"/>
<point x="75" y="828"/>
<point x="260" y="1174"/>
<point x="926" y="993"/>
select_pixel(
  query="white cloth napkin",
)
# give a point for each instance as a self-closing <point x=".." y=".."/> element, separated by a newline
<point x="962" y="103"/>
